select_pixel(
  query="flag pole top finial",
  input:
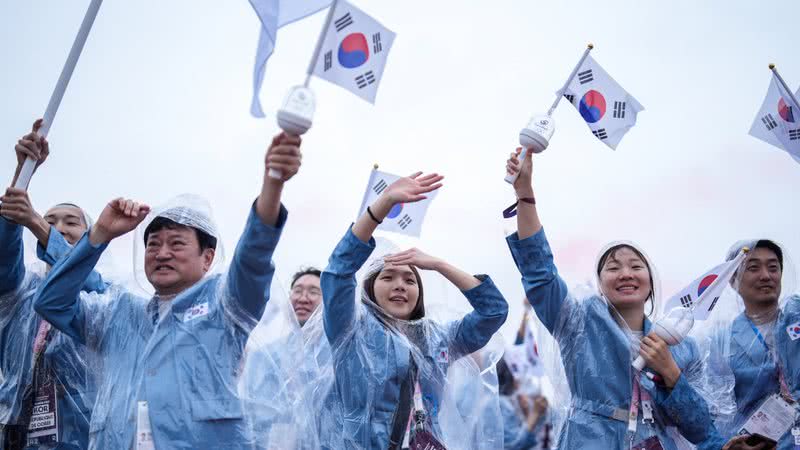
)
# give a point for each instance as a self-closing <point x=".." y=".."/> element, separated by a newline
<point x="591" y="46"/>
<point x="745" y="249"/>
<point x="772" y="67"/>
<point x="375" y="166"/>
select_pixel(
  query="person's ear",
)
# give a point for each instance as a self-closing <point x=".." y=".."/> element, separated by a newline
<point x="208" y="258"/>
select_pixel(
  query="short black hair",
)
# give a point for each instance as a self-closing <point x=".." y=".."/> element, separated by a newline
<point x="770" y="245"/>
<point x="303" y="272"/>
<point x="159" y="223"/>
<point x="505" y="379"/>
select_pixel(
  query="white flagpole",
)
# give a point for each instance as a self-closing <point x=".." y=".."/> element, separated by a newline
<point x="320" y="41"/>
<point x="61" y="86"/>
<point x="569" y="80"/>
<point x="796" y="105"/>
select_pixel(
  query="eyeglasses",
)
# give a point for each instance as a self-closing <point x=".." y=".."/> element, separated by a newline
<point x="312" y="292"/>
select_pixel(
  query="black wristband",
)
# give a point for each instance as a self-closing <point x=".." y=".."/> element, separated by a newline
<point x="369" y="211"/>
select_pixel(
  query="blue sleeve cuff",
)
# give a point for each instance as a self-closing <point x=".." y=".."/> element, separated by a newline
<point x="533" y="251"/>
<point x="267" y="234"/>
<point x="57" y="247"/>
<point x="485" y="297"/>
<point x="350" y="254"/>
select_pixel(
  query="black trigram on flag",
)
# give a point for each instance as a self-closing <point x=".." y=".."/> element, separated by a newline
<point x="619" y="110"/>
<point x="570" y="98"/>
<point x="405" y="221"/>
<point x="379" y="186"/>
<point x="794" y="134"/>
<point x="769" y="122"/>
<point x="713" y="304"/>
<point x="366" y="79"/>
<point x="585" y="76"/>
<point x="343" y="22"/>
<point x="328" y="60"/>
<point x="601" y="133"/>
<point x="686" y="301"/>
<point x="376" y="43"/>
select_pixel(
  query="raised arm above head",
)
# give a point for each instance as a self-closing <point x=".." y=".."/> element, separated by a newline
<point x="528" y="222"/>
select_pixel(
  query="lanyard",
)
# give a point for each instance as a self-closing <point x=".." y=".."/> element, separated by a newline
<point x="639" y="396"/>
<point x="41" y="339"/>
<point x="785" y="393"/>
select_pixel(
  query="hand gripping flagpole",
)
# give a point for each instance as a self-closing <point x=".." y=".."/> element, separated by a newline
<point x="28" y="167"/>
<point x="774" y="70"/>
<point x="536" y="135"/>
<point x="297" y="113"/>
<point x="675" y="326"/>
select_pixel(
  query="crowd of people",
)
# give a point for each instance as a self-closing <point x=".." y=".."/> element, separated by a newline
<point x="88" y="363"/>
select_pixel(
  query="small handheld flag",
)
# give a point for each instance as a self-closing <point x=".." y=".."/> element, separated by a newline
<point x="608" y="109"/>
<point x="404" y="218"/>
<point x="778" y="121"/>
<point x="353" y="51"/>
<point x="702" y="294"/>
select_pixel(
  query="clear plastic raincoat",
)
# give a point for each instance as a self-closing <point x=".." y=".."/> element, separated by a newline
<point x="759" y="352"/>
<point x="169" y="378"/>
<point x="377" y="360"/>
<point x="47" y="384"/>
<point x="596" y="351"/>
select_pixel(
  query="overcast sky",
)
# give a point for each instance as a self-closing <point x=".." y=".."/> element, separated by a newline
<point x="159" y="105"/>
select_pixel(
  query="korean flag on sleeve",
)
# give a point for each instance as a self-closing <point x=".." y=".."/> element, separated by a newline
<point x="778" y="121"/>
<point x="404" y="218"/>
<point x="607" y="108"/>
<point x="354" y="51"/>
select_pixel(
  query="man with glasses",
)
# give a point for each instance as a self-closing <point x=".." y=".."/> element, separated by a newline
<point x="305" y="295"/>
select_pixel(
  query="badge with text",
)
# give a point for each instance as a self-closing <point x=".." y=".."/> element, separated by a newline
<point x="43" y="427"/>
<point x="772" y="419"/>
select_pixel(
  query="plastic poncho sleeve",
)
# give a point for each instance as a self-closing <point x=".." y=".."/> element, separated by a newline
<point x="338" y="283"/>
<point x="544" y="288"/>
<point x="57" y="248"/>
<point x="489" y="313"/>
<point x="251" y="271"/>
<point x="58" y="298"/>
<point x="684" y="405"/>
<point x="12" y="270"/>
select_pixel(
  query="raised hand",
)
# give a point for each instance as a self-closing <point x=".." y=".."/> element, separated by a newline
<point x="16" y="206"/>
<point x="412" y="188"/>
<point x="32" y="146"/>
<point x="414" y="257"/>
<point x="120" y="216"/>
<point x="657" y="356"/>
<point x="284" y="155"/>
<point x="525" y="169"/>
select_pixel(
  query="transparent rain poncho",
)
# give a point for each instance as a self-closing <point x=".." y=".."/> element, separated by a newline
<point x="589" y="363"/>
<point x="757" y="350"/>
<point x="170" y="365"/>
<point x="364" y="395"/>
<point x="47" y="381"/>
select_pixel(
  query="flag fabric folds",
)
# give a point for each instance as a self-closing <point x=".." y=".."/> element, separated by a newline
<point x="354" y="51"/>
<point x="404" y="218"/>
<point x="607" y="108"/>
<point x="274" y="14"/>
<point x="778" y="121"/>
<point x="703" y="293"/>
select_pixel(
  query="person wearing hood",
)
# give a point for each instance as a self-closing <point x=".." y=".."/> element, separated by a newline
<point x="46" y="380"/>
<point x="170" y="362"/>
<point x="761" y="346"/>
<point x="612" y="406"/>
<point x="389" y="358"/>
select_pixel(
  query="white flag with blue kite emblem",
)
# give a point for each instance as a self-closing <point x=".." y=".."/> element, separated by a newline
<point x="274" y="14"/>
<point x="354" y="51"/>
<point x="607" y="108"/>
<point x="778" y="121"/>
<point x="404" y="218"/>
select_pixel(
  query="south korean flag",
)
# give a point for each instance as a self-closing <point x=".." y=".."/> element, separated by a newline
<point x="404" y="218"/>
<point x="354" y="51"/>
<point x="605" y="106"/>
<point x="778" y="121"/>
